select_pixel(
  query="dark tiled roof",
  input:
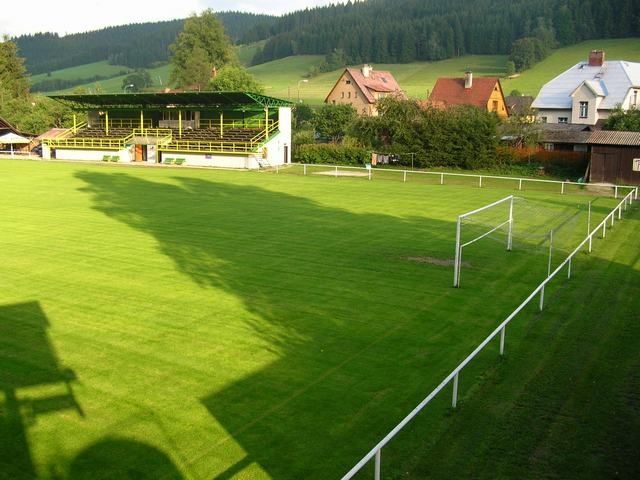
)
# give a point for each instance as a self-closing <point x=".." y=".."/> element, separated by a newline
<point x="604" y="137"/>
<point x="564" y="133"/>
<point x="518" y="104"/>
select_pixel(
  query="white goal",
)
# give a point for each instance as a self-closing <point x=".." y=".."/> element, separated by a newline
<point x="507" y="201"/>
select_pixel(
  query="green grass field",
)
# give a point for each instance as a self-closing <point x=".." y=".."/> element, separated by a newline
<point x="83" y="71"/>
<point x="180" y="323"/>
<point x="281" y="77"/>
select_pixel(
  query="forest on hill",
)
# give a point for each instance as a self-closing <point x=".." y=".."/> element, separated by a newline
<point x="135" y="45"/>
<point x="400" y="31"/>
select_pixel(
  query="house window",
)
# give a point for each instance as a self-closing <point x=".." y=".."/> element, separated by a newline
<point x="543" y="119"/>
<point x="548" y="146"/>
<point x="349" y="95"/>
<point x="356" y="94"/>
<point x="342" y="95"/>
<point x="348" y="82"/>
<point x="584" y="109"/>
<point x="494" y="108"/>
<point x="563" y="119"/>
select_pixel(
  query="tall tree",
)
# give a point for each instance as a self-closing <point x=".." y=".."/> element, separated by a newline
<point x="13" y="74"/>
<point x="200" y="47"/>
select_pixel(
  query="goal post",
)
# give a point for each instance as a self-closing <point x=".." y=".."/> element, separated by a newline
<point x="459" y="246"/>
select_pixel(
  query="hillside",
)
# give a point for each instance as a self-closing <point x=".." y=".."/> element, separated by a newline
<point x="419" y="30"/>
<point x="281" y="77"/>
<point x="530" y="81"/>
<point x="134" y="46"/>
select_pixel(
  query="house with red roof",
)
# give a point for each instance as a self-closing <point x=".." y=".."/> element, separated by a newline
<point x="362" y="88"/>
<point x="481" y="92"/>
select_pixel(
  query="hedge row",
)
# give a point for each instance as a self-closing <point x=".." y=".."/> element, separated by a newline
<point x="331" y="154"/>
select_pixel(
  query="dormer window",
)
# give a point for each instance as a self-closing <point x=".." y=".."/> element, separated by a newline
<point x="584" y="109"/>
<point x="348" y="82"/>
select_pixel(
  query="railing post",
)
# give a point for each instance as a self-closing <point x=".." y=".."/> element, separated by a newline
<point x="480" y="182"/>
<point x="562" y="189"/>
<point x="620" y="211"/>
<point x="510" y="236"/>
<point x="550" y="252"/>
<point x="456" y="280"/>
<point x="502" y="334"/>
<point x="370" y="174"/>
<point x="336" y="171"/>
<point x="520" y="184"/>
<point x="615" y="195"/>
<point x="454" y="399"/>
<point x="542" y="298"/>
<point x="442" y="179"/>
<point x="604" y="229"/>
<point x="569" y="268"/>
<point x="377" y="465"/>
<point x="404" y="177"/>
<point x="304" y="168"/>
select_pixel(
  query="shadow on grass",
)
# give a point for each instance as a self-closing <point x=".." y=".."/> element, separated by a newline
<point x="334" y="297"/>
<point x="122" y="459"/>
<point x="28" y="360"/>
<point x="353" y="326"/>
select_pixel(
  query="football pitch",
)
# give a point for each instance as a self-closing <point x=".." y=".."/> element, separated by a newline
<point x="175" y="323"/>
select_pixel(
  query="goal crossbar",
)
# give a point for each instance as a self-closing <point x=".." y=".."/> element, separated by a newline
<point x="459" y="246"/>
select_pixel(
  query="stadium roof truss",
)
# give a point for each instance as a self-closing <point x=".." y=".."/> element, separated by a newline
<point x="240" y="101"/>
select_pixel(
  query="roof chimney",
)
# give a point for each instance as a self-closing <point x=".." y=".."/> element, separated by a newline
<point x="366" y="70"/>
<point x="468" y="79"/>
<point x="596" y="58"/>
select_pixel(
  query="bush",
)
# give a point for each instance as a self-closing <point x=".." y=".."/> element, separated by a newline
<point x="302" y="137"/>
<point x="331" y="154"/>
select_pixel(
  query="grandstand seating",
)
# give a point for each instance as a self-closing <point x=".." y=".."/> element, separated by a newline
<point x="199" y="135"/>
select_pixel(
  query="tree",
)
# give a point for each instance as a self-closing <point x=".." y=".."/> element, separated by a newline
<point x="13" y="74"/>
<point x="511" y="68"/>
<point x="234" y="78"/>
<point x="333" y="121"/>
<point x="302" y="115"/>
<point x="628" y="121"/>
<point x="200" y="47"/>
<point x="136" y="81"/>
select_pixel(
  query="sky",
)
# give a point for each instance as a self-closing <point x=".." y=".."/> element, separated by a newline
<point x="74" y="16"/>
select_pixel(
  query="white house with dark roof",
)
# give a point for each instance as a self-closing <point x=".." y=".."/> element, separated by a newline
<point x="589" y="91"/>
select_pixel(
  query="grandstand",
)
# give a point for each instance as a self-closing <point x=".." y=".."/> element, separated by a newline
<point x="217" y="129"/>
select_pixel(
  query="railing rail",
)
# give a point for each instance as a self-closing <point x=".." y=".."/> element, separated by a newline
<point x="264" y="135"/>
<point x="521" y="181"/>
<point x="250" y="123"/>
<point x="208" y="147"/>
<point x="376" y="451"/>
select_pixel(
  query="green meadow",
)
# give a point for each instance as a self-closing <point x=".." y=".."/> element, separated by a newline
<point x="193" y="324"/>
<point x="282" y="78"/>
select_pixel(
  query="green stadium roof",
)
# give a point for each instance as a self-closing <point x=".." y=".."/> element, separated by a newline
<point x="201" y="100"/>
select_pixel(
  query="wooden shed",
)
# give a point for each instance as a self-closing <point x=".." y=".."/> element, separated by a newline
<point x="615" y="157"/>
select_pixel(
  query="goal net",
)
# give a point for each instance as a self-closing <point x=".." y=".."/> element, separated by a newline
<point x="479" y="224"/>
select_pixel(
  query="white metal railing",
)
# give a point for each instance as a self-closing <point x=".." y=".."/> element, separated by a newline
<point x="376" y="451"/>
<point x="521" y="180"/>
